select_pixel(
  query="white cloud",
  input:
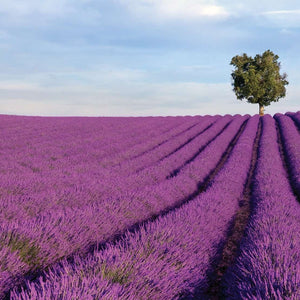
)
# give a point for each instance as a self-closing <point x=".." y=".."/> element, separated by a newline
<point x="283" y="12"/>
<point x="283" y="18"/>
<point x="176" y="9"/>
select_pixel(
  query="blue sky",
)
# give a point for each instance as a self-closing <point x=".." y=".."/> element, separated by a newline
<point x="139" y="57"/>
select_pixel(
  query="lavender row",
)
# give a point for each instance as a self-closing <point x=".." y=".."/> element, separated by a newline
<point x="157" y="172"/>
<point x="165" y="150"/>
<point x="152" y="144"/>
<point x="156" y="165"/>
<point x="61" y="138"/>
<point x="268" y="265"/>
<point x="56" y="233"/>
<point x="50" y="201"/>
<point x="290" y="114"/>
<point x="202" y="166"/>
<point x="38" y="167"/>
<point x="166" y="258"/>
<point x="83" y="186"/>
<point x="52" y="159"/>
<point x="291" y="142"/>
<point x="295" y="117"/>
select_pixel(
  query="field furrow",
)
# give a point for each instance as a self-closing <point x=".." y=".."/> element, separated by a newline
<point x="236" y="232"/>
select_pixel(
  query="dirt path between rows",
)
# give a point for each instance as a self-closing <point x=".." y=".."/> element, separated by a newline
<point x="236" y="232"/>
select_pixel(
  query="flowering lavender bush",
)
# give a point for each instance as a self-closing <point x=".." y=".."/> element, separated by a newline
<point x="295" y="117"/>
<point x="291" y="142"/>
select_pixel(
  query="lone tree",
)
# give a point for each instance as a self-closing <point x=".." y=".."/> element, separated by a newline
<point x="257" y="79"/>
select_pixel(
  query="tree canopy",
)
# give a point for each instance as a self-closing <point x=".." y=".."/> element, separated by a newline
<point x="258" y="79"/>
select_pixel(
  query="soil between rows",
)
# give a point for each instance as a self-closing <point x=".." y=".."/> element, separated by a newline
<point x="236" y="232"/>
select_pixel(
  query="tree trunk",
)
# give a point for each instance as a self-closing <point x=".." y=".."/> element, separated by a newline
<point x="261" y="110"/>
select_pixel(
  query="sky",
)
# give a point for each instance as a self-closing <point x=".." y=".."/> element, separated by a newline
<point x="140" y="57"/>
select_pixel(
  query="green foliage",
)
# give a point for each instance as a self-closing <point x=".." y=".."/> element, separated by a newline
<point x="258" y="79"/>
<point x="26" y="250"/>
<point x="117" y="275"/>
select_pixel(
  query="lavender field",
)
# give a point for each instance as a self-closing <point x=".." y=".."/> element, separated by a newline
<point x="203" y="207"/>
